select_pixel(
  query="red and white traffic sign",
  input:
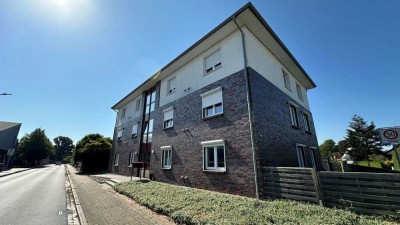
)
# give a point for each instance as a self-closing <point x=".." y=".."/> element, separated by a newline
<point x="390" y="135"/>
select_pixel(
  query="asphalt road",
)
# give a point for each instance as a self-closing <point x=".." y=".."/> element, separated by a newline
<point x="35" y="196"/>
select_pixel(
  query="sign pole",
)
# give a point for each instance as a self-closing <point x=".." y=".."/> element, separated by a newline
<point x="397" y="154"/>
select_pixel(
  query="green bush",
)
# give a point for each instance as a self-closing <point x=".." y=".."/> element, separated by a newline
<point x="375" y="164"/>
<point x="67" y="160"/>
<point x="93" y="151"/>
<point x="396" y="164"/>
<point x="194" y="206"/>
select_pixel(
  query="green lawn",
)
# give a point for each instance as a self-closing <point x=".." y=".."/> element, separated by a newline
<point x="375" y="164"/>
<point x="194" y="206"/>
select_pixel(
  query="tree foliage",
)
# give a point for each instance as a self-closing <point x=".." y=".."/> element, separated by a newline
<point x="363" y="138"/>
<point x="93" y="151"/>
<point x="63" y="147"/>
<point x="342" y="146"/>
<point x="34" y="147"/>
<point x="327" y="147"/>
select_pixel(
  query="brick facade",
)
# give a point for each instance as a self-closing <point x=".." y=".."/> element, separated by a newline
<point x="190" y="130"/>
<point x="274" y="136"/>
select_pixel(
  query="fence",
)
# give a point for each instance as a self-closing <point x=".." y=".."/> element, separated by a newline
<point x="371" y="193"/>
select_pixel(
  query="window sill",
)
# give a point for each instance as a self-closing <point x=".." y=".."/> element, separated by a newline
<point x="215" y="171"/>
<point x="296" y="127"/>
<point x="168" y="128"/>
<point x="115" y="165"/>
<point x="214" y="116"/>
<point x="170" y="168"/>
<point x="133" y="137"/>
<point x="308" y="132"/>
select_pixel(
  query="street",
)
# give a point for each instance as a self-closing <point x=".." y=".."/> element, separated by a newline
<point x="36" y="196"/>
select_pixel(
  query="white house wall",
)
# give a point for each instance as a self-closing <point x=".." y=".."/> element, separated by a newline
<point x="131" y="113"/>
<point x="191" y="75"/>
<point x="265" y="63"/>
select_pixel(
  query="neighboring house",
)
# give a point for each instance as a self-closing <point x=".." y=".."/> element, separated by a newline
<point x="190" y="122"/>
<point x="8" y="142"/>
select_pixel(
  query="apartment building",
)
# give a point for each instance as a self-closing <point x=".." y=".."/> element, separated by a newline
<point x="232" y="103"/>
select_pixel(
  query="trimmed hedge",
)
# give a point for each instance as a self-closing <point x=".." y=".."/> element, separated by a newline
<point x="195" y="206"/>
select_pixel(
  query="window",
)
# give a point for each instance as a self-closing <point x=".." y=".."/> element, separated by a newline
<point x="150" y="101"/>
<point x="306" y="122"/>
<point x="293" y="115"/>
<point x="286" y="80"/>
<point x="131" y="158"/>
<point x="148" y="132"/>
<point x="214" y="155"/>
<point x="212" y="103"/>
<point x="169" y="118"/>
<point x="119" y="135"/>
<point x="301" y="155"/>
<point x="123" y="113"/>
<point x="134" y="130"/>
<point x="137" y="105"/>
<point x="116" y="159"/>
<point x="313" y="156"/>
<point x="166" y="158"/>
<point x="212" y="62"/>
<point x="171" y="85"/>
<point x="299" y="91"/>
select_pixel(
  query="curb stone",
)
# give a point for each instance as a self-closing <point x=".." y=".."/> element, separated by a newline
<point x="81" y="215"/>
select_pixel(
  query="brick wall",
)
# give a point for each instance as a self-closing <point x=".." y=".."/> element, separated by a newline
<point x="187" y="154"/>
<point x="126" y="146"/>
<point x="274" y="136"/>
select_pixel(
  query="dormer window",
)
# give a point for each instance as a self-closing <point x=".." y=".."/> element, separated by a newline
<point x="212" y="62"/>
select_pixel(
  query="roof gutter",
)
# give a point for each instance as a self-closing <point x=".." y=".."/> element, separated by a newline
<point x="246" y="77"/>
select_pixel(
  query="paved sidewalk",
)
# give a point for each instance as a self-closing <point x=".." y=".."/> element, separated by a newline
<point x="102" y="205"/>
<point x="12" y="171"/>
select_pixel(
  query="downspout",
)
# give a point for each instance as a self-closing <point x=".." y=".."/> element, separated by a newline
<point x="246" y="77"/>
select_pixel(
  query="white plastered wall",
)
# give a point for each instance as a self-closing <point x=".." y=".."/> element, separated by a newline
<point x="191" y="75"/>
<point x="265" y="63"/>
<point x="131" y="113"/>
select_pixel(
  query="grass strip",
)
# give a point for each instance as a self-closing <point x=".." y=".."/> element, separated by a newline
<point x="195" y="206"/>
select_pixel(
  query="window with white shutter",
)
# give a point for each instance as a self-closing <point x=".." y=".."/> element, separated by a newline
<point x="212" y="104"/>
<point x="169" y="118"/>
<point x="212" y="62"/>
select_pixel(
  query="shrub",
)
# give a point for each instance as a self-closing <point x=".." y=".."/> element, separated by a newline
<point x="194" y="206"/>
<point x="67" y="160"/>
<point x="93" y="151"/>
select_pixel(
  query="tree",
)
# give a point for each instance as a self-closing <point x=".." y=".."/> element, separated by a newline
<point x="63" y="147"/>
<point x="93" y="151"/>
<point x="34" y="147"/>
<point x="327" y="147"/>
<point x="342" y="146"/>
<point x="363" y="138"/>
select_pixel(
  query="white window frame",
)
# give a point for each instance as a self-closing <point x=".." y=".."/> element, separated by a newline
<point x="119" y="134"/>
<point x="213" y="144"/>
<point x="214" y="106"/>
<point x="214" y="67"/>
<point x="299" y="91"/>
<point x="135" y="131"/>
<point x="313" y="156"/>
<point x="301" y="155"/>
<point x="307" y="124"/>
<point x="169" y="122"/>
<point x="131" y="159"/>
<point x="116" y="159"/>
<point x="169" y="89"/>
<point x="137" y="105"/>
<point x="166" y="163"/>
<point x="294" y="118"/>
<point x="286" y="80"/>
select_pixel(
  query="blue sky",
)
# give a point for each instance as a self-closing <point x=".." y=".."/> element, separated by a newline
<point x="66" y="62"/>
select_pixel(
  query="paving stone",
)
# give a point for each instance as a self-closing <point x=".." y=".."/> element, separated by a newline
<point x="105" y="206"/>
